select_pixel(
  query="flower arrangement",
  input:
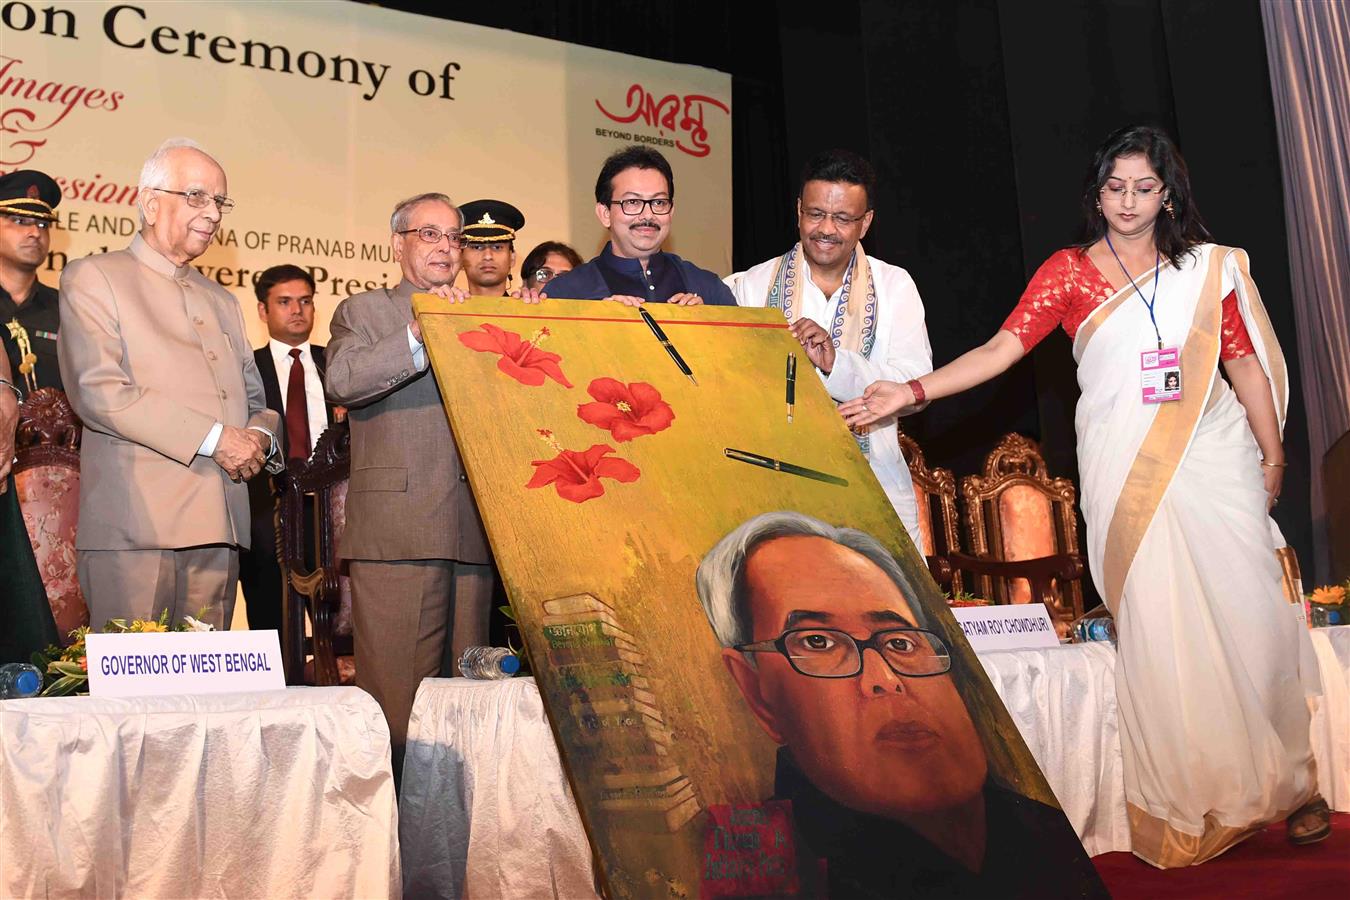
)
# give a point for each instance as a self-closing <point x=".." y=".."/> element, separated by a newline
<point x="1329" y="605"/>
<point x="66" y="670"/>
<point x="965" y="598"/>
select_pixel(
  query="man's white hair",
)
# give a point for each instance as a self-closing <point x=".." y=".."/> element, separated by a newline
<point x="721" y="574"/>
<point x="398" y="220"/>
<point x="155" y="172"/>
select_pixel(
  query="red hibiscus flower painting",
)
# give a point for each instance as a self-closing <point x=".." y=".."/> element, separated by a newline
<point x="522" y="360"/>
<point x="576" y="475"/>
<point x="626" y="411"/>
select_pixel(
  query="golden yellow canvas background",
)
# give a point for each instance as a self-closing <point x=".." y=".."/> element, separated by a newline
<point x="637" y="546"/>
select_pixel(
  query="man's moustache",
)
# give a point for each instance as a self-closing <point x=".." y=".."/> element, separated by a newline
<point x="645" y="224"/>
<point x="826" y="238"/>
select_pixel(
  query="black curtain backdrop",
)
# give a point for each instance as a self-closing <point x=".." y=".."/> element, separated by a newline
<point x="981" y="117"/>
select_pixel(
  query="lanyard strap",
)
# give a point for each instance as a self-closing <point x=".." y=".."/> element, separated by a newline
<point x="1148" y="301"/>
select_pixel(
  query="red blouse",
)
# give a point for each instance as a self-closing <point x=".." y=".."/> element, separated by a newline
<point x="1068" y="287"/>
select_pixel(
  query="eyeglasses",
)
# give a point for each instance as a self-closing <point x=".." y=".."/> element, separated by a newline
<point x="828" y="653"/>
<point x="1118" y="192"/>
<point x="543" y="275"/>
<point x="199" y="199"/>
<point x="29" y="222"/>
<point x="432" y="235"/>
<point x="633" y="206"/>
<point x="843" y="220"/>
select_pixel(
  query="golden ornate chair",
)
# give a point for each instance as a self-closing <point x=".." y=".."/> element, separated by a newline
<point x="1016" y="513"/>
<point x="314" y="580"/>
<point x="47" y="480"/>
<point x="935" y="493"/>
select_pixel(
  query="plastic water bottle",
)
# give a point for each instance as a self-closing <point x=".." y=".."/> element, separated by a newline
<point x="488" y="663"/>
<point x="19" y="680"/>
<point x="1099" y="628"/>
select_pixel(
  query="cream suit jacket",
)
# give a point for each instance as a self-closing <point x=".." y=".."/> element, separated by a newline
<point x="152" y="356"/>
<point x="408" y="497"/>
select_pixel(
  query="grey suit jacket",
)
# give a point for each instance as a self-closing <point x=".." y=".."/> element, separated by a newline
<point x="153" y="355"/>
<point x="408" y="497"/>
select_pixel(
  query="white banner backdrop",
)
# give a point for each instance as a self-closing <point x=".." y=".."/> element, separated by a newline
<point x="325" y="114"/>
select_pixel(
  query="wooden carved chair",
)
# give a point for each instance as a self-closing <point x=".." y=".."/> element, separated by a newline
<point x="935" y="492"/>
<point x="47" y="479"/>
<point x="1022" y="532"/>
<point x="316" y="488"/>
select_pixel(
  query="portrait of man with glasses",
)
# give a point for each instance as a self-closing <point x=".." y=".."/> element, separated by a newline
<point x="885" y="770"/>
<point x="635" y="202"/>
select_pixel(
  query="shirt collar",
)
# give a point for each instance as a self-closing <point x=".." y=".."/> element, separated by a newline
<point x="805" y="277"/>
<point x="154" y="260"/>
<point x="281" y="353"/>
<point x="630" y="266"/>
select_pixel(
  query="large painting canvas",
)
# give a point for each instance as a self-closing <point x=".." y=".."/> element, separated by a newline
<point x="852" y="745"/>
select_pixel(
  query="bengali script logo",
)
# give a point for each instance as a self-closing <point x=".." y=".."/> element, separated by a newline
<point x="682" y="116"/>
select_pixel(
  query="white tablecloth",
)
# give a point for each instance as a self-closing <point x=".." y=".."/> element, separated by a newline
<point x="1331" y="715"/>
<point x="273" y="794"/>
<point x="486" y="812"/>
<point x="1063" y="700"/>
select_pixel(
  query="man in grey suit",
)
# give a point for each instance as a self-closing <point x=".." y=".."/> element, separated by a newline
<point x="418" y="558"/>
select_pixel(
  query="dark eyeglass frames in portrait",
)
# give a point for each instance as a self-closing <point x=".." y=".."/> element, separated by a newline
<point x="829" y="653"/>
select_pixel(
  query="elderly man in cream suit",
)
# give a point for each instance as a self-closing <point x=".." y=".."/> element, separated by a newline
<point x="156" y="362"/>
<point x="418" y="558"/>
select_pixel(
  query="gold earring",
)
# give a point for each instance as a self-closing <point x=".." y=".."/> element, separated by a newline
<point x="1171" y="213"/>
<point x="1099" y="207"/>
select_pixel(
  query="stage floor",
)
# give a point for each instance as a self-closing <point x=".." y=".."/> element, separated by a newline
<point x="1263" y="867"/>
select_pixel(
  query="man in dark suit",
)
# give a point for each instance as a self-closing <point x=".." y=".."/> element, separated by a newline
<point x="292" y="374"/>
<point x="635" y="201"/>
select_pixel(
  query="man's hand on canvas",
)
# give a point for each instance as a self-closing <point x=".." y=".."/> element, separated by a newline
<point x="816" y="342"/>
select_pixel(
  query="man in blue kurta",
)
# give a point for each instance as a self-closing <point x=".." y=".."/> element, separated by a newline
<point x="635" y="200"/>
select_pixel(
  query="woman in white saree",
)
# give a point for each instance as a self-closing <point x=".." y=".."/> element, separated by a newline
<point x="1178" y="472"/>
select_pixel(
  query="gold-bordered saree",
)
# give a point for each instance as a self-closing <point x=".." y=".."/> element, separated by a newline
<point x="1213" y="666"/>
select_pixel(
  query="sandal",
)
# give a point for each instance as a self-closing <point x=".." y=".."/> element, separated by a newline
<point x="1315" y="807"/>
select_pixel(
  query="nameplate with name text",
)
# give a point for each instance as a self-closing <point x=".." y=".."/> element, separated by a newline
<point x="1018" y="626"/>
<point x="148" y="664"/>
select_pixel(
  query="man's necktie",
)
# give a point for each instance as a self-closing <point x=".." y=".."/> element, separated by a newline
<point x="297" y="411"/>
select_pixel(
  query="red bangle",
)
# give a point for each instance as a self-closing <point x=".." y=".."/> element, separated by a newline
<point x="919" y="396"/>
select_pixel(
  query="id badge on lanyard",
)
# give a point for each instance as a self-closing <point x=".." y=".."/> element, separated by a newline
<point x="1160" y="374"/>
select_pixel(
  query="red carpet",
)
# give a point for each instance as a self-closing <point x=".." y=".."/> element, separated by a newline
<point x="1264" y="866"/>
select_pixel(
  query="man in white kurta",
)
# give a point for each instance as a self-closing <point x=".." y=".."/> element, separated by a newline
<point x="858" y="318"/>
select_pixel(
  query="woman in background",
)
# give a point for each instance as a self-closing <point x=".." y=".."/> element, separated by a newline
<point x="546" y="262"/>
<point x="1213" y="667"/>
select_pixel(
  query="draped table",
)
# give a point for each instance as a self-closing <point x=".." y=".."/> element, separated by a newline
<point x="269" y="794"/>
<point x="486" y="811"/>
